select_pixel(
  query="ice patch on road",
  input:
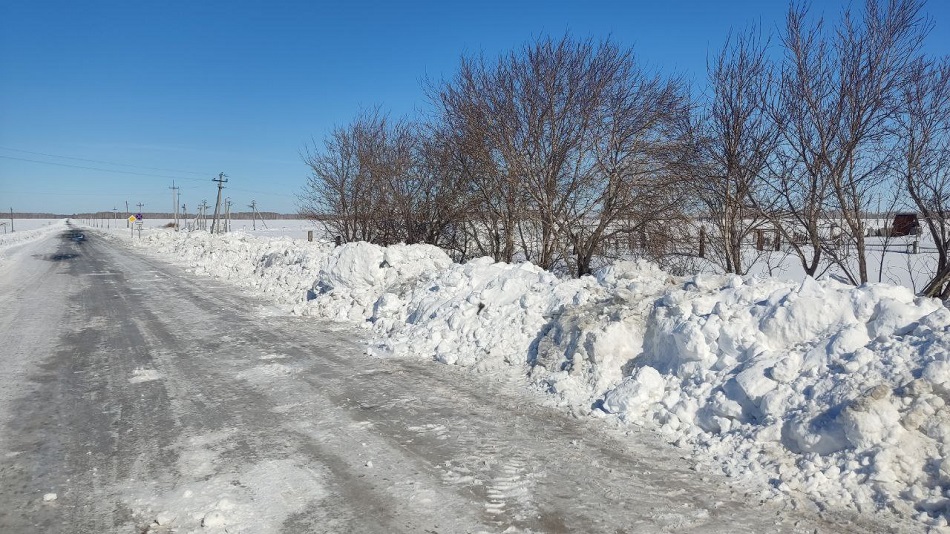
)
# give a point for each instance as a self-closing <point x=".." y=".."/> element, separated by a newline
<point x="286" y="408"/>
<point x="218" y="494"/>
<point x="198" y="455"/>
<point x="258" y="499"/>
<point x="144" y="375"/>
<point x="266" y="372"/>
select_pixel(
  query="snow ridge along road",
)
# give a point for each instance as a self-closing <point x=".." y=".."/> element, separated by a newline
<point x="135" y="397"/>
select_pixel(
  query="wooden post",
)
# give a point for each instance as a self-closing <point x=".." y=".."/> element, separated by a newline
<point x="759" y="240"/>
<point x="702" y="241"/>
<point x="309" y="235"/>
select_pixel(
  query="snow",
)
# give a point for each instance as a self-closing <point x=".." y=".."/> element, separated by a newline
<point x="230" y="501"/>
<point x="28" y="231"/>
<point x="819" y="385"/>
<point x="889" y="259"/>
<point x="144" y="375"/>
<point x="808" y="387"/>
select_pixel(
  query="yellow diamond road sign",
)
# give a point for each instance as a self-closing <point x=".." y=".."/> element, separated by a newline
<point x="132" y="218"/>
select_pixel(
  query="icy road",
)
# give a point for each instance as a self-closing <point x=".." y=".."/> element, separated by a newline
<point x="135" y="397"/>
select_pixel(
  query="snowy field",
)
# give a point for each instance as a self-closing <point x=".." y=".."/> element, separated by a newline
<point x="296" y="228"/>
<point x="812" y="387"/>
<point x="26" y="230"/>
<point x="22" y="225"/>
<point x="890" y="260"/>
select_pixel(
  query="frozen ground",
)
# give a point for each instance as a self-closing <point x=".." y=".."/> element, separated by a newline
<point x="296" y="228"/>
<point x="814" y="387"/>
<point x="889" y="260"/>
<point x="26" y="230"/>
<point x="137" y="397"/>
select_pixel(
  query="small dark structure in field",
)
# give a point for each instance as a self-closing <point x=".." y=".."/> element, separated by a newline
<point x="905" y="224"/>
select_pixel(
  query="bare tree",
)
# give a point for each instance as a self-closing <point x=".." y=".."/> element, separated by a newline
<point x="738" y="141"/>
<point x="435" y="210"/>
<point x="798" y="191"/>
<point x="636" y="183"/>
<point x="561" y="141"/>
<point x="468" y="115"/>
<point x="339" y="192"/>
<point x="836" y="103"/>
<point x="924" y="133"/>
<point x="391" y="160"/>
<point x="382" y="181"/>
<point x="527" y="115"/>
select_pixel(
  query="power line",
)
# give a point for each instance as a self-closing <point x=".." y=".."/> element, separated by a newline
<point x="101" y="161"/>
<point x="98" y="169"/>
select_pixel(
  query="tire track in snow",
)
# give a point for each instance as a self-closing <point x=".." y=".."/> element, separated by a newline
<point x="493" y="471"/>
<point x="510" y="490"/>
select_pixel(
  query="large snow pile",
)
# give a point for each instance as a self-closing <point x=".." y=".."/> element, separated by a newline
<point x="281" y="268"/>
<point x="834" y="391"/>
<point x="354" y="278"/>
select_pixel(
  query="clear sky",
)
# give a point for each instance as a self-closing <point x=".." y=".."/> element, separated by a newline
<point x="103" y="102"/>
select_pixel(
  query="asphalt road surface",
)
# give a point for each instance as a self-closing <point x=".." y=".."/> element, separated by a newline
<point x="136" y="397"/>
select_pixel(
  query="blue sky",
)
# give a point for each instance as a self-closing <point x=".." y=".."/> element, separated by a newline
<point x="103" y="102"/>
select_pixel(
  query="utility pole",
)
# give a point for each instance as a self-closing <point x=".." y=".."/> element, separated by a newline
<point x="261" y="217"/>
<point x="140" y="205"/>
<point x="215" y="225"/>
<point x="184" y="211"/>
<point x="204" y="214"/>
<point x="175" y="202"/>
<point x="227" y="214"/>
<point x="255" y="214"/>
<point x="11" y="220"/>
<point x="127" y="223"/>
<point x="115" y="216"/>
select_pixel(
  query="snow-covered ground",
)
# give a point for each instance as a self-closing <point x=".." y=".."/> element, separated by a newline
<point x="28" y="230"/>
<point x="814" y="387"/>
<point x="890" y="260"/>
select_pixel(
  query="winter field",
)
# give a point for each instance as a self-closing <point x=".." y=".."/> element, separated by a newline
<point x="796" y="387"/>
<point x="890" y="260"/>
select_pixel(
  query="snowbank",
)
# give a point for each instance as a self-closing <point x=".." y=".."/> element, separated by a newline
<point x="834" y="391"/>
<point x="281" y="268"/>
<point x="11" y="239"/>
<point x="353" y="279"/>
